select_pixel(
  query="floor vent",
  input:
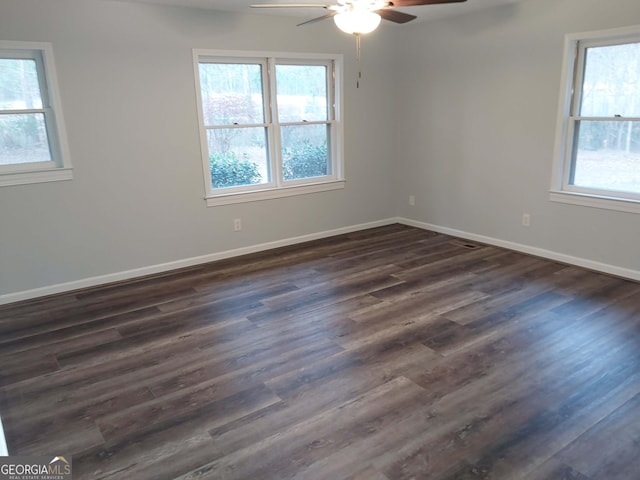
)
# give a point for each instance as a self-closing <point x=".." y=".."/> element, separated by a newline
<point x="463" y="244"/>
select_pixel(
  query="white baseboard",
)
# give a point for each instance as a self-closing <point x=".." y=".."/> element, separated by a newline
<point x="187" y="262"/>
<point x="539" y="252"/>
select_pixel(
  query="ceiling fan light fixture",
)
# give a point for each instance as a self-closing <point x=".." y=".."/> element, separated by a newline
<point x="356" y="21"/>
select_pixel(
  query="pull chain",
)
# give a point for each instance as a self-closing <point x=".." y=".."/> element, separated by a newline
<point x="358" y="58"/>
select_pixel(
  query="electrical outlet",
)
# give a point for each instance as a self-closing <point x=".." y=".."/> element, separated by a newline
<point x="237" y="224"/>
<point x="412" y="200"/>
<point x="526" y="220"/>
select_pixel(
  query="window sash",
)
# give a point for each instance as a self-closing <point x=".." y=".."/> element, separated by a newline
<point x="330" y="122"/>
<point x="572" y="158"/>
<point x="329" y="85"/>
<point x="37" y="57"/>
<point x="266" y="114"/>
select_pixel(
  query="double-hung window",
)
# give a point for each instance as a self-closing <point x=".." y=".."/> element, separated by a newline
<point x="598" y="139"/>
<point x="33" y="145"/>
<point x="270" y="124"/>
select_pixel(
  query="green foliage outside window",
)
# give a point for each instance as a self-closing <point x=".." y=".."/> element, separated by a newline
<point x="304" y="160"/>
<point x="229" y="171"/>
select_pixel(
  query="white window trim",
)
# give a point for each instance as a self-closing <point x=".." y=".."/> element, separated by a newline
<point x="561" y="191"/>
<point x="272" y="189"/>
<point x="60" y="167"/>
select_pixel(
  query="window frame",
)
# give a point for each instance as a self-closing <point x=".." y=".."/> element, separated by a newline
<point x="59" y="168"/>
<point x="277" y="187"/>
<point x="575" y="46"/>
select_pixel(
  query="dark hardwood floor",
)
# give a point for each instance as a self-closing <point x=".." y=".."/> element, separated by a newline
<point x="387" y="354"/>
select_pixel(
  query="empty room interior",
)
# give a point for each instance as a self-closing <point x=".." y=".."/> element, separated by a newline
<point x="232" y="247"/>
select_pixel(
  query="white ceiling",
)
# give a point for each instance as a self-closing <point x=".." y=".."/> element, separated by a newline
<point x="424" y="12"/>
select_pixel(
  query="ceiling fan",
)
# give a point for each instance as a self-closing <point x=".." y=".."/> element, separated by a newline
<point x="360" y="16"/>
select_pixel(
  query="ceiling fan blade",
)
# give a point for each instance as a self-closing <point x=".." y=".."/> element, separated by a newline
<point x="395" y="16"/>
<point x="290" y="5"/>
<point x="414" y="3"/>
<point x="318" y="19"/>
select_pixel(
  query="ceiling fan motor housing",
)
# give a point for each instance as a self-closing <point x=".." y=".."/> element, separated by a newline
<point x="361" y="16"/>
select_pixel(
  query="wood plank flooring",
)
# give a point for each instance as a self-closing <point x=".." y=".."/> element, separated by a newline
<point x="387" y="354"/>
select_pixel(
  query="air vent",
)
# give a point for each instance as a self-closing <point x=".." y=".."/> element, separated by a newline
<point x="464" y="244"/>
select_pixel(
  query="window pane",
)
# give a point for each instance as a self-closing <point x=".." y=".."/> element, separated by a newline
<point x="304" y="151"/>
<point x="231" y="93"/>
<point x="611" y="84"/>
<point x="238" y="156"/>
<point x="23" y="139"/>
<point x="608" y="156"/>
<point x="302" y="93"/>
<point x="19" y="88"/>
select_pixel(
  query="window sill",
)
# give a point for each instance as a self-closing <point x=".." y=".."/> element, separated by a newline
<point x="35" y="176"/>
<point x="258" y="195"/>
<point x="595" y="201"/>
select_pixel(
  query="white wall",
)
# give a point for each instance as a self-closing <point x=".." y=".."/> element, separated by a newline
<point x="136" y="200"/>
<point x="476" y="122"/>
<point x="460" y="113"/>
